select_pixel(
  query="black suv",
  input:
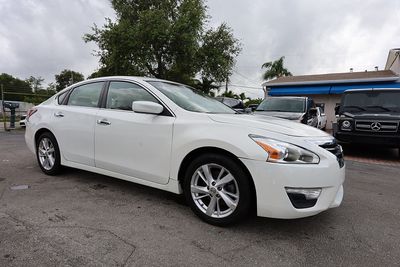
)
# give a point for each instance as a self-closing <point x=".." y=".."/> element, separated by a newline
<point x="369" y="116"/>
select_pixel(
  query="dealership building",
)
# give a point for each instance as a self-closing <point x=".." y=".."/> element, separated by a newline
<point x="326" y="89"/>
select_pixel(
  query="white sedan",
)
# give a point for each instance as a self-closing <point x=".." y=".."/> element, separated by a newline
<point x="169" y="136"/>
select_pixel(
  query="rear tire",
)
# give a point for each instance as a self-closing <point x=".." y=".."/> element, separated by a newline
<point x="48" y="154"/>
<point x="217" y="189"/>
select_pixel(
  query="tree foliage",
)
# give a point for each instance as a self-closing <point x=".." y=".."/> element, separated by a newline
<point x="217" y="54"/>
<point x="164" y="39"/>
<point x="275" y="69"/>
<point x="256" y="101"/>
<point x="16" y="86"/>
<point x="35" y="83"/>
<point x="67" y="78"/>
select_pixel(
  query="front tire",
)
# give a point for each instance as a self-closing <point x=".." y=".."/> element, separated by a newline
<point x="217" y="189"/>
<point x="48" y="154"/>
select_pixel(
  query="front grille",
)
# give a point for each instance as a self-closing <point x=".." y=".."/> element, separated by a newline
<point x="336" y="150"/>
<point x="377" y="126"/>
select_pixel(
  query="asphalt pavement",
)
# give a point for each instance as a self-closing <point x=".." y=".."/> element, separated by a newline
<point x="79" y="218"/>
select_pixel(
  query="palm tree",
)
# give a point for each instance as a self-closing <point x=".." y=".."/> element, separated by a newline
<point x="230" y="94"/>
<point x="275" y="69"/>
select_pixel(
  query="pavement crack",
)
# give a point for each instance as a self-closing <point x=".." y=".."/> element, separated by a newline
<point x="129" y="256"/>
<point x="36" y="227"/>
<point x="3" y="192"/>
<point x="89" y="228"/>
<point x="201" y="247"/>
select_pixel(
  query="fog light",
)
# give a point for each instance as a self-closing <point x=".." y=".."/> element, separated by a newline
<point x="309" y="193"/>
<point x="302" y="198"/>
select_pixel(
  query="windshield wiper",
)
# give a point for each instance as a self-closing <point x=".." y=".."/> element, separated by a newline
<point x="360" y="108"/>
<point x="381" y="107"/>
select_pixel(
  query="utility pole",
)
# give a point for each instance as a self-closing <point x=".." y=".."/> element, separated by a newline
<point x="226" y="84"/>
<point x="2" y="107"/>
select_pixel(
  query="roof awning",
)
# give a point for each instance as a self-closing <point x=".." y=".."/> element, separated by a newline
<point x="306" y="90"/>
<point x="325" y="89"/>
<point x="339" y="89"/>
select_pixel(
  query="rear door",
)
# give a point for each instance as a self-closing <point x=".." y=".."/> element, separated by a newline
<point x="129" y="143"/>
<point x="74" y="122"/>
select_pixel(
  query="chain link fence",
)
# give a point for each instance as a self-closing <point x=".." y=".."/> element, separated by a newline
<point x="14" y="106"/>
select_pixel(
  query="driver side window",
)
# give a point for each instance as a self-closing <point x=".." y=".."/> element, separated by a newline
<point x="122" y="94"/>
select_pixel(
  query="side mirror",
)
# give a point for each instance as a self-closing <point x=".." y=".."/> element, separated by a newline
<point x="337" y="109"/>
<point x="147" y="107"/>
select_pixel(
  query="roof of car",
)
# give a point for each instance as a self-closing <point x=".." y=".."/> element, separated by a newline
<point x="108" y="78"/>
<point x="134" y="78"/>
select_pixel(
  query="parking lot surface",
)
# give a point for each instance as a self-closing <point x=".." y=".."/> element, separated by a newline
<point x="80" y="218"/>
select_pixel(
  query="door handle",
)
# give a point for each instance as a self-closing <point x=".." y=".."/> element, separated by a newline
<point x="103" y="122"/>
<point x="59" y="114"/>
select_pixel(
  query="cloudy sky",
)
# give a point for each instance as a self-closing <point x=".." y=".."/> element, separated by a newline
<point x="42" y="37"/>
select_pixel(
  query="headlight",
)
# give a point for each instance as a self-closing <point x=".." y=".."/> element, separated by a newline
<point x="282" y="152"/>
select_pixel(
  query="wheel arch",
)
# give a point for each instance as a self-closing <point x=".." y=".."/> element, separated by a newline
<point x="215" y="150"/>
<point x="40" y="132"/>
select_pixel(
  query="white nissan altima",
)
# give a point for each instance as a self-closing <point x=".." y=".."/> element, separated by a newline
<point x="169" y="136"/>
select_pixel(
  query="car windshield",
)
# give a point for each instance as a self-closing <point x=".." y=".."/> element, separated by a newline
<point x="282" y="105"/>
<point x="191" y="99"/>
<point x="371" y="101"/>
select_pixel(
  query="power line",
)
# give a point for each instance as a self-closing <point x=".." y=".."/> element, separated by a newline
<point x="245" y="86"/>
<point x="238" y="73"/>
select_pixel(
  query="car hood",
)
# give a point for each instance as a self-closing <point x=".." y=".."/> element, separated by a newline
<point x="269" y="123"/>
<point x="372" y="116"/>
<point x="283" y="115"/>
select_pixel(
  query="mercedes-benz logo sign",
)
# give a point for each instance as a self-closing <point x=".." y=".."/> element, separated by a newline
<point x="375" y="126"/>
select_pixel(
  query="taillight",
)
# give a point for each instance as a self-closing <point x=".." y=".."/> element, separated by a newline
<point x="30" y="113"/>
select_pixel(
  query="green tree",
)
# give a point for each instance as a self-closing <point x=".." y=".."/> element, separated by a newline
<point x="67" y="78"/>
<point x="15" y="86"/>
<point x="242" y="96"/>
<point x="216" y="56"/>
<point x="275" y="69"/>
<point x="230" y="94"/>
<point x="35" y="83"/>
<point x="51" y="88"/>
<point x="164" y="39"/>
<point x="256" y="101"/>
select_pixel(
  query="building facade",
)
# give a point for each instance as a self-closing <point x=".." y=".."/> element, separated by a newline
<point x="326" y="89"/>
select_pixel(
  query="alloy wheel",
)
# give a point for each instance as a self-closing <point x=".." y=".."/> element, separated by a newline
<point x="46" y="153"/>
<point x="214" y="190"/>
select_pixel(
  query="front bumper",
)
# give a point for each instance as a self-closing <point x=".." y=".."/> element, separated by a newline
<point x="390" y="140"/>
<point x="270" y="180"/>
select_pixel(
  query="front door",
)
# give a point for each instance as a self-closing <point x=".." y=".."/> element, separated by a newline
<point x="129" y="143"/>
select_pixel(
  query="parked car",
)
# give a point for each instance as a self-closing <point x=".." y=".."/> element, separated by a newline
<point x="169" y="136"/>
<point x="322" y="120"/>
<point x="369" y="116"/>
<point x="22" y="120"/>
<point x="233" y="103"/>
<point x="253" y="107"/>
<point x="300" y="109"/>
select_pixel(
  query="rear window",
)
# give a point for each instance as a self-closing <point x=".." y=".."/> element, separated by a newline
<point x="86" y="95"/>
